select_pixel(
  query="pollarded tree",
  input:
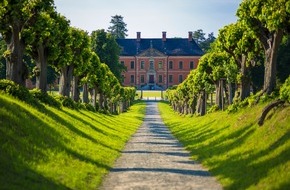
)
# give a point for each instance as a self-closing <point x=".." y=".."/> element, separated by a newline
<point x="105" y="46"/>
<point x="65" y="56"/>
<point x="269" y="20"/>
<point x="81" y="57"/>
<point x="16" y="16"/>
<point x="244" y="48"/>
<point x="118" y="28"/>
<point x="42" y="39"/>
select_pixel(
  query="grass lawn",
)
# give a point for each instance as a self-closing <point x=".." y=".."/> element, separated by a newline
<point x="46" y="148"/>
<point x="234" y="148"/>
<point x="150" y="93"/>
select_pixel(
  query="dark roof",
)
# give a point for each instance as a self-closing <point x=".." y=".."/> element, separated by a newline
<point x="170" y="47"/>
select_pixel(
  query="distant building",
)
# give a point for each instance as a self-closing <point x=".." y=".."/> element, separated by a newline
<point x="158" y="63"/>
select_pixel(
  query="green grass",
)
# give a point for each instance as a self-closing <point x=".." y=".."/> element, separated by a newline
<point x="235" y="149"/>
<point x="46" y="148"/>
<point x="151" y="93"/>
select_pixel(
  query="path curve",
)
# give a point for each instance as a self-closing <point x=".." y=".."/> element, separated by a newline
<point x="154" y="159"/>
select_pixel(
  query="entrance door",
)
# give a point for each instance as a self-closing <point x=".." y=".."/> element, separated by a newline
<point x="151" y="78"/>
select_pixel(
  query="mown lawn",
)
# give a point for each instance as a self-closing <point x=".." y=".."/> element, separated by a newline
<point x="235" y="149"/>
<point x="151" y="93"/>
<point x="46" y="148"/>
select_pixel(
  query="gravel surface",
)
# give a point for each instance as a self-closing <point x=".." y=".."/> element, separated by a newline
<point x="154" y="159"/>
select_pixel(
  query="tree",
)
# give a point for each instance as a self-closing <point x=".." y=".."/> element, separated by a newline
<point x="239" y="43"/>
<point x="105" y="46"/>
<point x="283" y="69"/>
<point x="118" y="28"/>
<point x="269" y="20"/>
<point x="202" y="41"/>
<point x="81" y="57"/>
<point x="42" y="39"/>
<point x="65" y="56"/>
<point x="16" y="16"/>
<point x="2" y="59"/>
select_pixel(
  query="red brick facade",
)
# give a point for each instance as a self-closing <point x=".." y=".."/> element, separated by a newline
<point x="150" y="68"/>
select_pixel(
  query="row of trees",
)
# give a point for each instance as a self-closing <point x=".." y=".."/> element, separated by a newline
<point x="35" y="29"/>
<point x="232" y="65"/>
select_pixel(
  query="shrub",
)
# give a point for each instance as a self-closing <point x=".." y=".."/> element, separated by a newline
<point x="89" y="107"/>
<point x="214" y="108"/>
<point x="67" y="102"/>
<point x="285" y="90"/>
<point x="45" y="98"/>
<point x="15" y="90"/>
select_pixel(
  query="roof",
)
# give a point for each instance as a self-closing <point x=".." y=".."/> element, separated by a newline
<point x="170" y="47"/>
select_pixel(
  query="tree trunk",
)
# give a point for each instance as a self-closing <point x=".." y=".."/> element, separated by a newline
<point x="201" y="103"/>
<point x="218" y="95"/>
<point x="101" y="100"/>
<point x="246" y="80"/>
<point x="65" y="80"/>
<point x="85" y="93"/>
<point x="231" y="92"/>
<point x="41" y="65"/>
<point x="193" y="105"/>
<point x="16" y="69"/>
<point x="75" y="89"/>
<point x="271" y="52"/>
<point x="94" y="97"/>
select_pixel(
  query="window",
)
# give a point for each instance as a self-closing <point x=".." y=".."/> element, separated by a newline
<point x="151" y="64"/>
<point x="191" y="65"/>
<point x="170" y="78"/>
<point x="132" y="64"/>
<point x="160" y="65"/>
<point x="180" y="78"/>
<point x="142" y="79"/>
<point x="122" y="63"/>
<point x="170" y="64"/>
<point x="132" y="79"/>
<point x="180" y="66"/>
<point x="160" y="78"/>
<point x="142" y="65"/>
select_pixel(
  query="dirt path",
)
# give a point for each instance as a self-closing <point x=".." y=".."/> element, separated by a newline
<point x="154" y="159"/>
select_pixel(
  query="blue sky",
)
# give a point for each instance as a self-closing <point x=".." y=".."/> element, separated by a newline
<point x="151" y="17"/>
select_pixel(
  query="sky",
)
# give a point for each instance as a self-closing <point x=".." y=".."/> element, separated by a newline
<point x="151" y="17"/>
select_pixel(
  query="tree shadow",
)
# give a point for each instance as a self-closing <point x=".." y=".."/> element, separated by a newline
<point x="26" y="139"/>
<point x="200" y="173"/>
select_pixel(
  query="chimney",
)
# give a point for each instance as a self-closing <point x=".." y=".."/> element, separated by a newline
<point x="138" y="36"/>
<point x="163" y="36"/>
<point x="189" y="36"/>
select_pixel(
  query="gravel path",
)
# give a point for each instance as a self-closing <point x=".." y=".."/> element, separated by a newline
<point x="154" y="159"/>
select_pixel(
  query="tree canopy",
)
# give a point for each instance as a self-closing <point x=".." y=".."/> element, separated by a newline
<point x="106" y="47"/>
<point x="118" y="28"/>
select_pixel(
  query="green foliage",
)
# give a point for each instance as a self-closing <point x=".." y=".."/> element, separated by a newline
<point x="118" y="28"/>
<point x="89" y="107"/>
<point x="45" y="98"/>
<point x="60" y="149"/>
<point x="15" y="90"/>
<point x="67" y="102"/>
<point x="214" y="108"/>
<point x="239" y="153"/>
<point x="285" y="90"/>
<point x="202" y="41"/>
<point x="106" y="47"/>
<point x="283" y="66"/>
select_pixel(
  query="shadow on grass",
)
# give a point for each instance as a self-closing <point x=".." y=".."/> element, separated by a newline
<point x="25" y="140"/>
<point x="21" y="144"/>
<point x="74" y="129"/>
<point x="164" y="170"/>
